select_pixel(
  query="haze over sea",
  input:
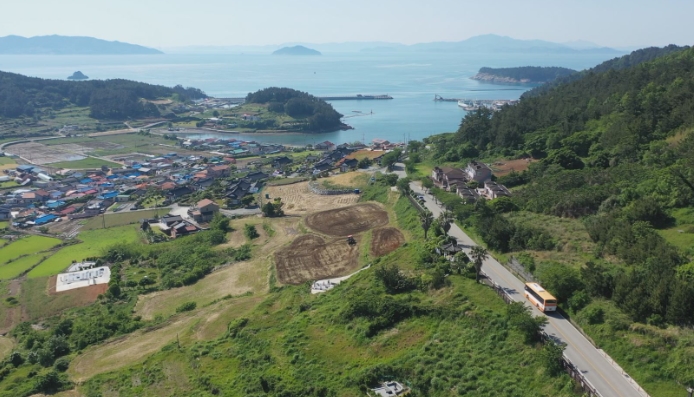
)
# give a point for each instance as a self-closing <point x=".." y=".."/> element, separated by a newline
<point x="411" y="79"/>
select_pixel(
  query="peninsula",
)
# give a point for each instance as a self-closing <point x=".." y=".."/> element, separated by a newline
<point x="69" y="45"/>
<point x="298" y="50"/>
<point x="522" y="75"/>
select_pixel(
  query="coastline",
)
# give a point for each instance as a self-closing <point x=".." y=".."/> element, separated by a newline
<point x="493" y="79"/>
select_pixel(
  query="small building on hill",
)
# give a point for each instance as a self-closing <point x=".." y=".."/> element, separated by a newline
<point x="204" y="211"/>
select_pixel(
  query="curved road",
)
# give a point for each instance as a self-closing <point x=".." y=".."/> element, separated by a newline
<point x="608" y="379"/>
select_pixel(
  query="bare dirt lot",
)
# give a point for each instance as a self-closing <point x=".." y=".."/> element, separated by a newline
<point x="38" y="153"/>
<point x="504" y="167"/>
<point x="386" y="240"/>
<point x="348" y="220"/>
<point x="298" y="200"/>
<point x="310" y="257"/>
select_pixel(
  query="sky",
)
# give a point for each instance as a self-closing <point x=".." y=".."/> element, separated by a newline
<point x="176" y="23"/>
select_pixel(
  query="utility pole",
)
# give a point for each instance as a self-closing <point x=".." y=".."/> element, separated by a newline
<point x="690" y="392"/>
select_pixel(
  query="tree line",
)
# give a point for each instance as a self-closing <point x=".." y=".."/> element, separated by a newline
<point x="108" y="99"/>
<point x="318" y="114"/>
<point x="538" y="74"/>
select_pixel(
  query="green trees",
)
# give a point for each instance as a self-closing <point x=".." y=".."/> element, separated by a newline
<point x="445" y="220"/>
<point x="426" y="219"/>
<point x="110" y="99"/>
<point x="318" y="114"/>
<point x="273" y="209"/>
<point x="561" y="280"/>
<point x="478" y="255"/>
<point x="389" y="159"/>
<point x="520" y="317"/>
<point x="250" y="231"/>
<point x="552" y="357"/>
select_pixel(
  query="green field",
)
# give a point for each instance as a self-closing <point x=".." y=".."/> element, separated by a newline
<point x="122" y="218"/>
<point x="93" y="244"/>
<point x="19" y="266"/>
<point x="26" y="246"/>
<point x="89" y="162"/>
<point x="6" y="160"/>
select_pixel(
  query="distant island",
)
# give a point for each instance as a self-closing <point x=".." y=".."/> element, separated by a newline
<point x="296" y="50"/>
<point x="78" y="76"/>
<point x="522" y="75"/>
<point x="69" y="45"/>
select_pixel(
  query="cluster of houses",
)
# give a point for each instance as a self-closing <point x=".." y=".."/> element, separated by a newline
<point x="232" y="147"/>
<point x="82" y="194"/>
<point x="40" y="198"/>
<point x="458" y="180"/>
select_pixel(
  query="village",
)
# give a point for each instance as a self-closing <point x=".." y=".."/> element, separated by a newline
<point x="235" y="169"/>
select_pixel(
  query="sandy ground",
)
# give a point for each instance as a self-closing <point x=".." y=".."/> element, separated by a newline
<point x="298" y="200"/>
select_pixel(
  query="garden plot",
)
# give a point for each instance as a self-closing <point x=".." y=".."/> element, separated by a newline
<point x="348" y="220"/>
<point x="310" y="257"/>
<point x="299" y="200"/>
<point x="386" y="240"/>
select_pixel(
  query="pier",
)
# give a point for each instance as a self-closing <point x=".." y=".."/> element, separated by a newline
<point x="358" y="97"/>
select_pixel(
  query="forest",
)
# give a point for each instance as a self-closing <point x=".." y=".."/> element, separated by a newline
<point x="320" y="116"/>
<point x="616" y="150"/>
<point x="107" y="99"/>
<point x="619" y="63"/>
<point x="532" y="74"/>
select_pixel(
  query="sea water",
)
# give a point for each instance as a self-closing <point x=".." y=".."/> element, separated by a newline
<point x="412" y="79"/>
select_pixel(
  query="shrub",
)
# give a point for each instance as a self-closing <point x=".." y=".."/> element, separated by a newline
<point x="250" y="231"/>
<point x="579" y="300"/>
<point x="186" y="307"/>
<point x="62" y="364"/>
<point x="594" y="315"/>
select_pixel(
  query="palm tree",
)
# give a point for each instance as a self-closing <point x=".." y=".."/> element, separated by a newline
<point x="445" y="220"/>
<point x="426" y="218"/>
<point x="478" y="255"/>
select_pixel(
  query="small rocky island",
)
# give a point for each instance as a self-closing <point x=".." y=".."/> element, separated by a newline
<point x="522" y="75"/>
<point x="296" y="50"/>
<point x="78" y="76"/>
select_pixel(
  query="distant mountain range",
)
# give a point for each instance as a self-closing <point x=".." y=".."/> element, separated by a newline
<point x="484" y="43"/>
<point x="69" y="45"/>
<point x="298" y="50"/>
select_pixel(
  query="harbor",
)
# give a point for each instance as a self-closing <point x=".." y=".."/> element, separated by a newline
<point x="474" y="104"/>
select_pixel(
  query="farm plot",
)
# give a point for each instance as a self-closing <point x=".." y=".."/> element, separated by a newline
<point x="310" y="257"/>
<point x="299" y="200"/>
<point x="40" y="154"/>
<point x="386" y="240"/>
<point x="349" y="220"/>
<point x="94" y="243"/>
<point x="26" y="246"/>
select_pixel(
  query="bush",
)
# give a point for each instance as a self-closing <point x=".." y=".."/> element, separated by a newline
<point x="552" y="355"/>
<point x="62" y="364"/>
<point x="579" y="300"/>
<point x="250" y="231"/>
<point x="186" y="307"/>
<point x="594" y="315"/>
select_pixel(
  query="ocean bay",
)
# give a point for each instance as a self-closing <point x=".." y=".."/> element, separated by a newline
<point x="412" y="79"/>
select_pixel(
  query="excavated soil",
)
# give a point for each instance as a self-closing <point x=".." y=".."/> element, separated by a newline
<point x="342" y="222"/>
<point x="386" y="240"/>
<point x="310" y="257"/>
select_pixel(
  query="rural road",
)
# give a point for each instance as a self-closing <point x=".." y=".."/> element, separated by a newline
<point x="609" y="380"/>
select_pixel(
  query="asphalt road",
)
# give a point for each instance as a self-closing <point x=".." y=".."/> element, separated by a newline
<point x="608" y="379"/>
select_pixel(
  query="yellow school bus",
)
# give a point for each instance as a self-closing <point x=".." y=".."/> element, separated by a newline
<point x="540" y="298"/>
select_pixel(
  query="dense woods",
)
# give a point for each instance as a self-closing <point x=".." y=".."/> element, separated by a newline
<point x="535" y="74"/>
<point x="319" y="115"/>
<point x="617" y="151"/>
<point x="619" y="63"/>
<point x="107" y="99"/>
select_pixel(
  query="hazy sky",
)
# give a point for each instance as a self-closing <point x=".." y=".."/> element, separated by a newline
<point x="170" y="23"/>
